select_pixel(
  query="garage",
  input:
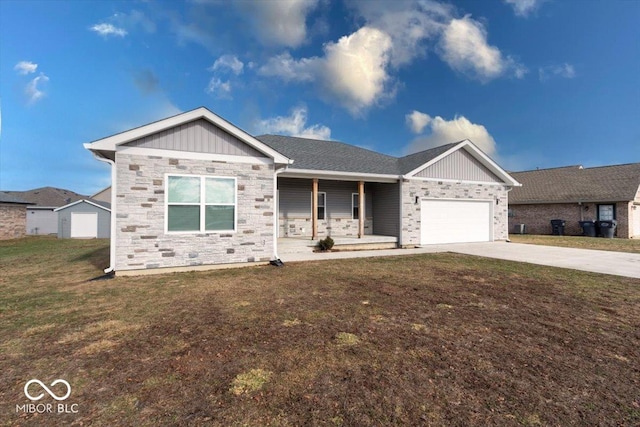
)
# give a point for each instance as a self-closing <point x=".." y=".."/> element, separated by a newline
<point x="455" y="221"/>
<point x="84" y="219"/>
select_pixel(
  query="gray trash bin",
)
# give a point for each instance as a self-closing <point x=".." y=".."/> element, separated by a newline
<point x="557" y="227"/>
<point x="608" y="228"/>
<point x="588" y="228"/>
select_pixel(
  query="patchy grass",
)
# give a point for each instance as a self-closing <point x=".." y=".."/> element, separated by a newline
<point x="598" y="243"/>
<point x="347" y="339"/>
<point x="440" y="339"/>
<point x="249" y="382"/>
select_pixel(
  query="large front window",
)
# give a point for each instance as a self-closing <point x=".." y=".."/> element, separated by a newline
<point x="200" y="203"/>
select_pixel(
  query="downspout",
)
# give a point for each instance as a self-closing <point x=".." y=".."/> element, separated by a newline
<point x="400" y="240"/>
<point x="112" y="243"/>
<point x="276" y="214"/>
<point x="509" y="188"/>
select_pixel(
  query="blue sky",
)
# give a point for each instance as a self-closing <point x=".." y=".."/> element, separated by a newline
<point x="534" y="83"/>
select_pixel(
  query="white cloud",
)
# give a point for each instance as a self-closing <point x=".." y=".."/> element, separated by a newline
<point x="228" y="62"/>
<point x="464" y="47"/>
<point x="358" y="70"/>
<point x="294" y="125"/>
<point x="33" y="89"/>
<point x="447" y="131"/>
<point x="287" y="68"/>
<point x="566" y="71"/>
<point x="524" y="7"/>
<point x="417" y="121"/>
<point x="280" y="23"/>
<point x="25" y="67"/>
<point x="106" y="30"/>
<point x="409" y="24"/>
<point x="219" y="89"/>
<point x="353" y="70"/>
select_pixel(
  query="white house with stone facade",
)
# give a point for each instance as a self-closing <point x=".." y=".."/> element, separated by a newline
<point x="194" y="191"/>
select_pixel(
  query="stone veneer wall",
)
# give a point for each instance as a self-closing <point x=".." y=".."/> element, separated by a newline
<point x="13" y="221"/>
<point x="345" y="227"/>
<point x="410" y="188"/>
<point x="141" y="241"/>
<point x="537" y="218"/>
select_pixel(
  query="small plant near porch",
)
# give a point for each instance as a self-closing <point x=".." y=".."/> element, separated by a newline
<point x="325" y="244"/>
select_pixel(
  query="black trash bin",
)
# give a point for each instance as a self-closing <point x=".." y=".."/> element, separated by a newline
<point x="608" y="228"/>
<point x="557" y="227"/>
<point x="588" y="228"/>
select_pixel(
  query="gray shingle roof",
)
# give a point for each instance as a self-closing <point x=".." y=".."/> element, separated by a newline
<point x="340" y="157"/>
<point x="575" y="184"/>
<point x="47" y="196"/>
<point x="7" y="197"/>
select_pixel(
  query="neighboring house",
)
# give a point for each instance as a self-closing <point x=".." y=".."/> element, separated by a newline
<point x="574" y="194"/>
<point x="13" y="216"/>
<point x="84" y="219"/>
<point x="41" y="215"/>
<point x="195" y="190"/>
<point x="103" y="195"/>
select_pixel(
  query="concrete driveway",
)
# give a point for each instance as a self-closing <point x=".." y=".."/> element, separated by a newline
<point x="615" y="263"/>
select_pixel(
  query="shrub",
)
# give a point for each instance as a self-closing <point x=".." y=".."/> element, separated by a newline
<point x="326" y="244"/>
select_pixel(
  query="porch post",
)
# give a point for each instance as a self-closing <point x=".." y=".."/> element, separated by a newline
<point x="314" y="209"/>
<point x="361" y="212"/>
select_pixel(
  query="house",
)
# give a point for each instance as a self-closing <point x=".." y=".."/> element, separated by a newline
<point x="194" y="190"/>
<point x="13" y="216"/>
<point x="103" y="195"/>
<point x="84" y="219"/>
<point x="574" y="194"/>
<point x="41" y="215"/>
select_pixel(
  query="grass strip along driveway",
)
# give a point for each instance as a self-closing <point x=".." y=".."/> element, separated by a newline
<point x="439" y="339"/>
<point x="579" y="242"/>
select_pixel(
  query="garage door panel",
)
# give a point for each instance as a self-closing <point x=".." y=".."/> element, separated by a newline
<point x="455" y="221"/>
<point x="84" y="225"/>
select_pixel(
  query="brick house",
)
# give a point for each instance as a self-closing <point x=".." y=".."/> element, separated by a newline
<point x="193" y="190"/>
<point x="13" y="217"/>
<point x="574" y="194"/>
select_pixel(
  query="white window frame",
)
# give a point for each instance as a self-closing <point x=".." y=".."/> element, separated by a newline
<point x="353" y="205"/>
<point x="324" y="206"/>
<point x="613" y="211"/>
<point x="203" y="204"/>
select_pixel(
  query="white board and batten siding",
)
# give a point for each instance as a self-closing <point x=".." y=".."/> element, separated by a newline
<point x="455" y="221"/>
<point x="198" y="136"/>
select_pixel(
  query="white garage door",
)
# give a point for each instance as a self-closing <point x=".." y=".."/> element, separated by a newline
<point x="84" y="225"/>
<point x="455" y="221"/>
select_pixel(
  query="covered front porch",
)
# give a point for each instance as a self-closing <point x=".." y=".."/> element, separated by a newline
<point x="292" y="245"/>
<point x="349" y="210"/>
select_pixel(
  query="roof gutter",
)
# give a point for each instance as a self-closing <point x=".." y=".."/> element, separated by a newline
<point x="112" y="243"/>
<point x="340" y="175"/>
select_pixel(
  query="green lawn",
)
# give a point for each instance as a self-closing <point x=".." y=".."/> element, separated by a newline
<point x="438" y="339"/>
<point x="598" y="243"/>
